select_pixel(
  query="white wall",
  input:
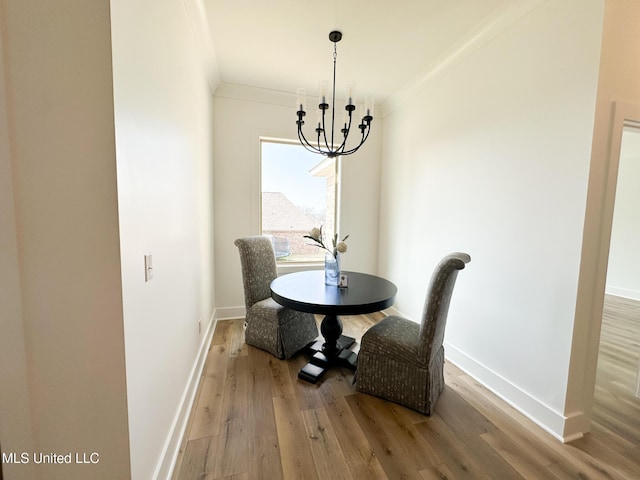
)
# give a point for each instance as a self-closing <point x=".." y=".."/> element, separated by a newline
<point x="164" y="160"/>
<point x="491" y="157"/>
<point x="74" y="238"/>
<point x="241" y="116"/>
<point x="624" y="261"/>
<point x="15" y="414"/>
<point x="57" y="58"/>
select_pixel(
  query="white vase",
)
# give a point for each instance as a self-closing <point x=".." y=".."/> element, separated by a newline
<point x="331" y="269"/>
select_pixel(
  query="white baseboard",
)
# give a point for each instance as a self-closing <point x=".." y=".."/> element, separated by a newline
<point x="575" y="426"/>
<point x="394" y="311"/>
<point x="622" y="292"/>
<point x="560" y="426"/>
<point x="228" y="313"/>
<point x="171" y="449"/>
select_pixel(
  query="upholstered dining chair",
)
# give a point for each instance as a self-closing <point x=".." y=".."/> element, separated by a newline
<point x="403" y="361"/>
<point x="269" y="325"/>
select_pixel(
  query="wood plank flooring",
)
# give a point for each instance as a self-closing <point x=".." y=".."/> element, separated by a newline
<point x="616" y="416"/>
<point x="253" y="419"/>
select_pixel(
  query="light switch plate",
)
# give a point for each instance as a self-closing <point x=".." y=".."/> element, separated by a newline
<point x="148" y="268"/>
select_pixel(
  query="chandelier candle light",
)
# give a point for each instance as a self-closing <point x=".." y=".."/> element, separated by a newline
<point x="325" y="145"/>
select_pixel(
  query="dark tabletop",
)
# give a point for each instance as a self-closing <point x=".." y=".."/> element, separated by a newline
<point x="306" y="292"/>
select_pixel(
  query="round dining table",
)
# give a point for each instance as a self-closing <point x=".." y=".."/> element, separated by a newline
<point x="307" y="292"/>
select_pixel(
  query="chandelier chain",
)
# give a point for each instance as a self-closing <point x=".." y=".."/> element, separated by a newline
<point x="333" y="95"/>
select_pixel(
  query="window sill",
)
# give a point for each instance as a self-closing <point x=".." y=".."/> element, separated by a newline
<point x="284" y="268"/>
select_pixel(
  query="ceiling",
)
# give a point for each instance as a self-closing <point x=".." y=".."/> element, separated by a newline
<point x="284" y="44"/>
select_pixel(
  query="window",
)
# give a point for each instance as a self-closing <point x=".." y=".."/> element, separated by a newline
<point x="298" y="192"/>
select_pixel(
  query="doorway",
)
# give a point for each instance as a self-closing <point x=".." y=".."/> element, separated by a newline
<point x="624" y="261"/>
<point x="616" y="406"/>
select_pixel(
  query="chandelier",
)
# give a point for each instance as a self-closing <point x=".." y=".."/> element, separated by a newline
<point x="326" y="142"/>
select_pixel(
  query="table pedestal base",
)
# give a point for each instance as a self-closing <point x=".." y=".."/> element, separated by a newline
<point x="333" y="352"/>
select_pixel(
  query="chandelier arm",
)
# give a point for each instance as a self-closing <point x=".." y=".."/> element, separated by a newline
<point x="356" y="148"/>
<point x="305" y="143"/>
<point x="310" y="148"/>
<point x="340" y="149"/>
<point x="365" y="135"/>
<point x="324" y="134"/>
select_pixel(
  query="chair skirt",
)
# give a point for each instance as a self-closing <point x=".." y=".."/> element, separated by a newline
<point x="389" y="368"/>
<point x="279" y="330"/>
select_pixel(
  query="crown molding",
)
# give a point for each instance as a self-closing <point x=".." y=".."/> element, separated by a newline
<point x="495" y="24"/>
<point x="197" y="17"/>
<point x="263" y="95"/>
<point x="255" y="94"/>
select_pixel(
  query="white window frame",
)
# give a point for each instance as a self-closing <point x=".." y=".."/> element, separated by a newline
<point x="300" y="265"/>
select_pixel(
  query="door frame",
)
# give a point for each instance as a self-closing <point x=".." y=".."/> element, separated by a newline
<point x="603" y="179"/>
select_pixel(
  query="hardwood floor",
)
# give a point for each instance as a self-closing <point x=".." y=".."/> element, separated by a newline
<point x="616" y="415"/>
<point x="254" y="420"/>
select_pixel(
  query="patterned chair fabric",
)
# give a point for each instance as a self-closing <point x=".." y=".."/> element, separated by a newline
<point x="270" y="326"/>
<point x="402" y="361"/>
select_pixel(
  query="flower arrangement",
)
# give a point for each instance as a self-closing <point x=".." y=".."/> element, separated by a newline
<point x="318" y="237"/>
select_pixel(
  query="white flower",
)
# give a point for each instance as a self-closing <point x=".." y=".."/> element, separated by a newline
<point x="341" y="247"/>
<point x="317" y="235"/>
